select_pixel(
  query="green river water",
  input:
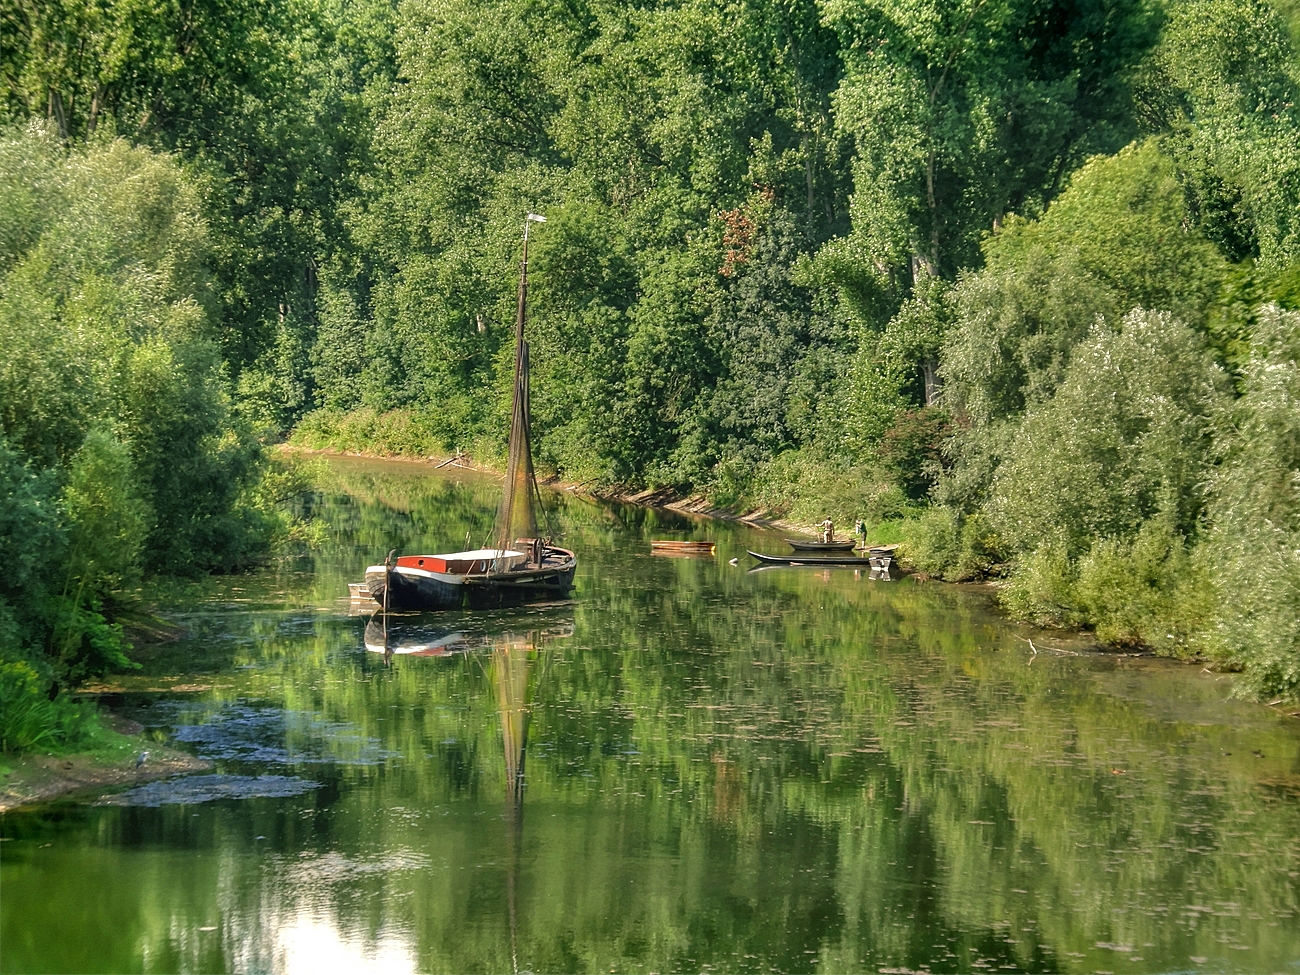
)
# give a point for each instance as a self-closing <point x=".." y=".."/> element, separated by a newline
<point x="688" y="767"/>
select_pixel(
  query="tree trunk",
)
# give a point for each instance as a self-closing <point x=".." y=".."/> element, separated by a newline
<point x="934" y="211"/>
<point x="920" y="265"/>
<point x="930" y="374"/>
<point x="808" y="177"/>
<point x="59" y="115"/>
<point x="96" y="106"/>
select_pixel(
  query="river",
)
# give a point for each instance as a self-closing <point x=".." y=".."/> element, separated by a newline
<point x="688" y="767"/>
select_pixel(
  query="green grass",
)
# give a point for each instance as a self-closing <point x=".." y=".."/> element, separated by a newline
<point x="106" y="746"/>
<point x="96" y="742"/>
<point x="889" y="531"/>
<point x="804" y="487"/>
<point x="396" y="433"/>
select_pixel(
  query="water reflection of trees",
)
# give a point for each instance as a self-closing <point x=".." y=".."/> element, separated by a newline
<point x="812" y="772"/>
<point x="830" y="768"/>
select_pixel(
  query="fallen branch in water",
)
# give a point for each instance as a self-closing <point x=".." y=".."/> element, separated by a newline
<point x="1033" y="647"/>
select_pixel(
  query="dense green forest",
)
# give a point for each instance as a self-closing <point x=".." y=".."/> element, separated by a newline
<point x="1015" y="281"/>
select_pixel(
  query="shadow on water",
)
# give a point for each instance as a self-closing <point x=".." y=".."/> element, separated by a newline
<point x="788" y="770"/>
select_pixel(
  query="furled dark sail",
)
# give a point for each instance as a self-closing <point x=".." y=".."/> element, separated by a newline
<point x="517" y="516"/>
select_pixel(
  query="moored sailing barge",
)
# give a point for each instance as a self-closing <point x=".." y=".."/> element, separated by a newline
<point x="521" y="567"/>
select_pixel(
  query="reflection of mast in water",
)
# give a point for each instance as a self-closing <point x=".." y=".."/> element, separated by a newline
<point x="512" y="672"/>
<point x="512" y="660"/>
<point x="388" y="651"/>
<point x="510" y="666"/>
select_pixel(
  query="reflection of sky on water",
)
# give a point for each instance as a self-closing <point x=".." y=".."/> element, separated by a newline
<point x="310" y="945"/>
<point x="268" y="735"/>
<point x="303" y="925"/>
<point x="190" y="789"/>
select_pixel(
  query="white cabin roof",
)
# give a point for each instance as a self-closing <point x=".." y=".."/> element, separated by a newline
<point x="479" y="553"/>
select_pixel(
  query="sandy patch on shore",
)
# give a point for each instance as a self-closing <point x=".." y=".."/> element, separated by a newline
<point x="37" y="777"/>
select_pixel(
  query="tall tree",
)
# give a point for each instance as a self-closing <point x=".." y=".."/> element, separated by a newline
<point x="963" y="112"/>
<point x="1223" y="84"/>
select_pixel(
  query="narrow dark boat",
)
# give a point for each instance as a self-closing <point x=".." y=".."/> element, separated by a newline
<point x="798" y="558"/>
<point x="878" y="560"/>
<point x="520" y="567"/>
<point x="845" y="545"/>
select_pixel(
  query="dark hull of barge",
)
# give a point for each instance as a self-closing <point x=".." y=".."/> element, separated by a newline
<point x="416" y="590"/>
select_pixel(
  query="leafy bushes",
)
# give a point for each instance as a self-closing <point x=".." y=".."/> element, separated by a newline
<point x="1255" y="535"/>
<point x="107" y="519"/>
<point x="1120" y="237"/>
<point x="1151" y="591"/>
<point x="1126" y="436"/>
<point x="1133" y="484"/>
<point x="948" y="545"/>
<point x="1101" y="484"/>
<point x="1041" y="588"/>
<point x="32" y="544"/>
<point x="120" y="453"/>
<point x="1144" y="502"/>
<point x="104" y="315"/>
<point x="31" y="539"/>
<point x="911" y="449"/>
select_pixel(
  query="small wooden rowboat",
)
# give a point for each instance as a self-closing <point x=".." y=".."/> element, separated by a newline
<point x="846" y="545"/>
<point x="673" y="546"/>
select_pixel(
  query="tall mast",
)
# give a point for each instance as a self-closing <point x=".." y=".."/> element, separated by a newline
<point x="517" y="517"/>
